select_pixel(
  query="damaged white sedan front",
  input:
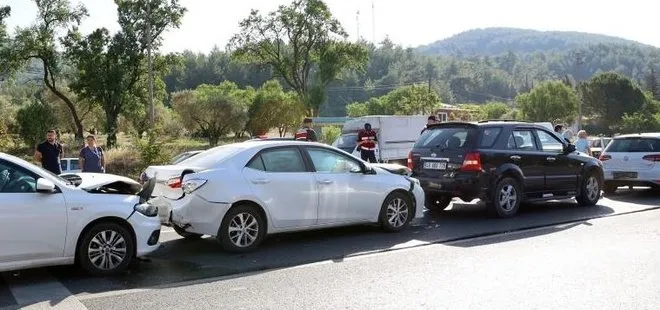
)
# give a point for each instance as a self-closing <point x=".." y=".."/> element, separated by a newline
<point x="241" y="192"/>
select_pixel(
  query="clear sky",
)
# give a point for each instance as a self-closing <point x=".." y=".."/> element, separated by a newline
<point x="408" y="22"/>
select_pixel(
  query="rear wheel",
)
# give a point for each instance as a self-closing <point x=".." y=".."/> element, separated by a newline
<point x="437" y="203"/>
<point x="243" y="229"/>
<point x="186" y="235"/>
<point x="396" y="212"/>
<point x="506" y="198"/>
<point x="589" y="190"/>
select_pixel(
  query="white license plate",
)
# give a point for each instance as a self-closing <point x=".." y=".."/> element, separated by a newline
<point x="435" y="165"/>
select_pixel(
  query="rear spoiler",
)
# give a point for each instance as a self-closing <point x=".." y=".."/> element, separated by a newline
<point x="452" y="124"/>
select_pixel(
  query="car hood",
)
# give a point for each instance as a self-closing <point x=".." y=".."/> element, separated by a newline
<point x="108" y="184"/>
<point x="394" y="168"/>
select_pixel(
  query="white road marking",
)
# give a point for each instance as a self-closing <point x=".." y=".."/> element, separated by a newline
<point x="48" y="293"/>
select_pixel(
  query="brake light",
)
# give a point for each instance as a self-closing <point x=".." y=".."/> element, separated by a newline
<point x="410" y="161"/>
<point x="604" y="157"/>
<point x="652" y="157"/>
<point x="174" y="182"/>
<point x="472" y="162"/>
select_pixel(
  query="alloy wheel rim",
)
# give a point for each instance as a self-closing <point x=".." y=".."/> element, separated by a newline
<point x="107" y="250"/>
<point x="508" y="197"/>
<point x="243" y="230"/>
<point x="397" y="212"/>
<point x="593" y="189"/>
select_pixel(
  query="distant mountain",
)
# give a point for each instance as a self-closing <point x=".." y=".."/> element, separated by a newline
<point x="496" y="41"/>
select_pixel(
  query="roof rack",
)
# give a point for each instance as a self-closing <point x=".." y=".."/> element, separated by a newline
<point x="501" y="120"/>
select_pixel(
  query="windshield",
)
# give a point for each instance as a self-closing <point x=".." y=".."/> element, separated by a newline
<point x="347" y="141"/>
<point x="212" y="157"/>
<point x="634" y="145"/>
<point x="446" y="138"/>
<point x="38" y="170"/>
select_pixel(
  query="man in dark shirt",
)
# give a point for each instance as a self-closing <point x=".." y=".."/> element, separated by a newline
<point x="367" y="144"/>
<point x="306" y="133"/>
<point x="49" y="153"/>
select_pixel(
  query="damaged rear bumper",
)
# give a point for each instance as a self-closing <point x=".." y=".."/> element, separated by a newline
<point x="192" y="213"/>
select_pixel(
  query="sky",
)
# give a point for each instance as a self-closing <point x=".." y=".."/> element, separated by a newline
<point x="210" y="23"/>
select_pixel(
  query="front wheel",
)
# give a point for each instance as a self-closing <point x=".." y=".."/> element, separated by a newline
<point x="396" y="212"/>
<point x="106" y="249"/>
<point x="589" y="191"/>
<point x="242" y="229"/>
<point x="506" y="198"/>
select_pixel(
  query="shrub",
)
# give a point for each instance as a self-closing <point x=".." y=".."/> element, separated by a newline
<point x="329" y="134"/>
<point x="34" y="119"/>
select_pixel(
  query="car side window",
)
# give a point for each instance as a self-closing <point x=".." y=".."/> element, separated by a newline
<point x="282" y="160"/>
<point x="331" y="162"/>
<point x="14" y="179"/>
<point x="549" y="143"/>
<point x="522" y="140"/>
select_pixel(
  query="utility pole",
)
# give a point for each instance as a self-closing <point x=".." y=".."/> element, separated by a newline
<point x="152" y="116"/>
<point x="373" y="21"/>
<point x="578" y="62"/>
<point x="357" y="21"/>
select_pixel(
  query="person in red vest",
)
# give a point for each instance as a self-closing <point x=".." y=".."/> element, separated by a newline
<point x="306" y="133"/>
<point x="367" y="144"/>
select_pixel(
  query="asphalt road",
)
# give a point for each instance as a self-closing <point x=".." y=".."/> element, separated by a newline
<point x="430" y="266"/>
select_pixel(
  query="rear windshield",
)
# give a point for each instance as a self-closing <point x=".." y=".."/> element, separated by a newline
<point x="446" y="138"/>
<point x="347" y="141"/>
<point x="634" y="145"/>
<point x="212" y="157"/>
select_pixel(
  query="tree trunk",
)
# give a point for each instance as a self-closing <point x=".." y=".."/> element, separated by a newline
<point x="213" y="140"/>
<point x="49" y="80"/>
<point x="111" y="130"/>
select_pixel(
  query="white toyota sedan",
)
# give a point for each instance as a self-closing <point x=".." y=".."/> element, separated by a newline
<point x="632" y="160"/>
<point x="100" y="221"/>
<point x="243" y="191"/>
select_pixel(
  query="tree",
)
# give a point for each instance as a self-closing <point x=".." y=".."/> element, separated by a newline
<point x="609" y="96"/>
<point x="274" y="108"/>
<point x="110" y="67"/>
<point x="548" y="101"/>
<point x="39" y="41"/>
<point x="34" y="120"/>
<point x="213" y="111"/>
<point x="295" y="40"/>
<point x="408" y="100"/>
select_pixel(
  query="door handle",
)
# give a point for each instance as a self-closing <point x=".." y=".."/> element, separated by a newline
<point x="260" y="181"/>
<point x="550" y="158"/>
<point x="515" y="157"/>
<point x="325" y="181"/>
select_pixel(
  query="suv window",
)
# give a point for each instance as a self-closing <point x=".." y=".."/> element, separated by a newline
<point x="14" y="179"/>
<point x="522" y="140"/>
<point x="489" y="136"/>
<point x="549" y="143"/>
<point x="634" y="145"/>
<point x="449" y="138"/>
<point x="279" y="160"/>
<point x="332" y="162"/>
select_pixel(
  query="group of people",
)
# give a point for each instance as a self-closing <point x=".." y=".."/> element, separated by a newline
<point x="49" y="154"/>
<point x="581" y="143"/>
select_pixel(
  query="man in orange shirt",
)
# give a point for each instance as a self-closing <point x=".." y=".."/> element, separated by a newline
<point x="367" y="144"/>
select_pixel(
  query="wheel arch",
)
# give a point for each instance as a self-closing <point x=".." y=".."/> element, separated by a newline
<point x="253" y="203"/>
<point x="408" y="194"/>
<point x="511" y="171"/>
<point x="106" y="219"/>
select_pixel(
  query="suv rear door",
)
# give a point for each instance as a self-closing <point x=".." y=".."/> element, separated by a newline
<point x="625" y="157"/>
<point x="441" y="149"/>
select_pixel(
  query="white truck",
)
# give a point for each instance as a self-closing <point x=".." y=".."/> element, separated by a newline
<point x="396" y="135"/>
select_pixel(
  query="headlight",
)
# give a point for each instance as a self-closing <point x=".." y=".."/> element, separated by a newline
<point x="146" y="209"/>
<point x="192" y="185"/>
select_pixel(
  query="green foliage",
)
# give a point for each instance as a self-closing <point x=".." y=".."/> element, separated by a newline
<point x="151" y="149"/>
<point x="273" y="108"/>
<point x="495" y="110"/>
<point x="547" y="102"/>
<point x="34" y="120"/>
<point x="409" y="100"/>
<point x="329" y="134"/>
<point x="293" y="40"/>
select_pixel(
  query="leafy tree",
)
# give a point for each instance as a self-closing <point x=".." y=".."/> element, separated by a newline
<point x="34" y="120"/>
<point x="111" y="66"/>
<point x="213" y="111"/>
<point x="548" y="101"/>
<point x="39" y="41"/>
<point x="295" y="40"/>
<point x="611" y="95"/>
<point x="408" y="100"/>
<point x="273" y="108"/>
<point x="495" y="110"/>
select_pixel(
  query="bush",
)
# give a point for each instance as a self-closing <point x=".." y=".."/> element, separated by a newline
<point x="123" y="161"/>
<point x="34" y="120"/>
<point x="329" y="134"/>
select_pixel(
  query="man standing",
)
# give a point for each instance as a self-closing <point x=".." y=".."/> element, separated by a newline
<point x="430" y="121"/>
<point x="306" y="133"/>
<point x="49" y="153"/>
<point x="367" y="144"/>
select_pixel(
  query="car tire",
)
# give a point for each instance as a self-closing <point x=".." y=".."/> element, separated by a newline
<point x="589" y="190"/>
<point x="248" y="229"/>
<point x="106" y="249"/>
<point x="610" y="188"/>
<point x="437" y="203"/>
<point x="186" y="235"/>
<point x="506" y="198"/>
<point x="396" y="212"/>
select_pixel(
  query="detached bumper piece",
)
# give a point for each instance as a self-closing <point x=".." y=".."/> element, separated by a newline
<point x="153" y="239"/>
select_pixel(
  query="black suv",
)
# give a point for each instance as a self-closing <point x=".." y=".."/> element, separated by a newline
<point x="502" y="163"/>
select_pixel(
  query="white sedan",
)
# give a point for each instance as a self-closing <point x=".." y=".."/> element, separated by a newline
<point x="632" y="160"/>
<point x="100" y="221"/>
<point x="243" y="191"/>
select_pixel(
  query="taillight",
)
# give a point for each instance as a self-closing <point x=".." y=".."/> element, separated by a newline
<point x="472" y="162"/>
<point x="410" y="161"/>
<point x="652" y="157"/>
<point x="174" y="182"/>
<point x="604" y="157"/>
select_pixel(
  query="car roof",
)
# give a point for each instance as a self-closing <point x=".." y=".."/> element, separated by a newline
<point x="488" y="123"/>
<point x="640" y="135"/>
<point x="278" y="142"/>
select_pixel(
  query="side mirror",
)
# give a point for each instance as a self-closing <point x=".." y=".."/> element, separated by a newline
<point x="570" y="148"/>
<point x="45" y="186"/>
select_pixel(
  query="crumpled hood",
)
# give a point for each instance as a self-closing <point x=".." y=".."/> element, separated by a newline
<point x="99" y="181"/>
<point x="394" y="168"/>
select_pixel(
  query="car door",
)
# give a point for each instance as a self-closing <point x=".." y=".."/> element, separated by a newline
<point x="561" y="172"/>
<point x="33" y="223"/>
<point x="525" y="153"/>
<point x="280" y="178"/>
<point x="345" y="193"/>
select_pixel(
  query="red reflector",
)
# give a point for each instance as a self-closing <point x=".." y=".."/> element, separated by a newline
<point x="472" y="162"/>
<point x="652" y="157"/>
<point x="410" y="161"/>
<point x="174" y="183"/>
<point x="604" y="157"/>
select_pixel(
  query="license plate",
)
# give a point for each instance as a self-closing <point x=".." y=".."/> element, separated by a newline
<point x="624" y="175"/>
<point x="434" y="165"/>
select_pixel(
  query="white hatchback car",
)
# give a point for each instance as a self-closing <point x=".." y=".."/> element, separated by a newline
<point x="243" y="191"/>
<point x="99" y="221"/>
<point x="632" y="160"/>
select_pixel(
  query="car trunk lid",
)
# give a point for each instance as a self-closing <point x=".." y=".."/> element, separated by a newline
<point x="444" y="149"/>
<point x="631" y="154"/>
